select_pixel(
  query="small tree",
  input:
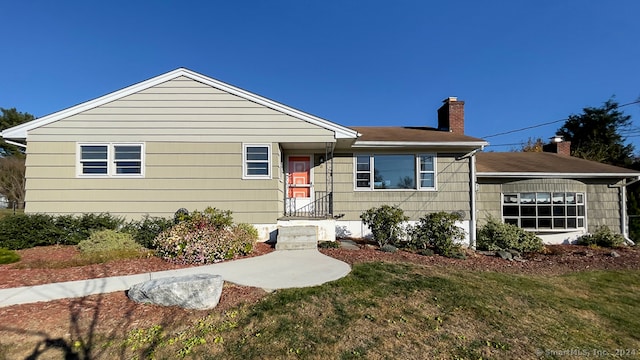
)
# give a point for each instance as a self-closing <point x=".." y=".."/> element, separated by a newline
<point x="385" y="223"/>
<point x="12" y="181"/>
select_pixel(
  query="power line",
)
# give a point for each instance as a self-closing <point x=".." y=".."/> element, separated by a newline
<point x="547" y="123"/>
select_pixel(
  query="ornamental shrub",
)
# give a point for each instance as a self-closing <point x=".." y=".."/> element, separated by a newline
<point x="108" y="240"/>
<point x="8" y="256"/>
<point x="385" y="223"/>
<point x="204" y="238"/>
<point x="495" y="236"/>
<point x="147" y="229"/>
<point x="23" y="231"/>
<point x="603" y="236"/>
<point x="213" y="216"/>
<point x="438" y="231"/>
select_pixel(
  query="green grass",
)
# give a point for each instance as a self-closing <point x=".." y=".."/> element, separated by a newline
<point x="384" y="310"/>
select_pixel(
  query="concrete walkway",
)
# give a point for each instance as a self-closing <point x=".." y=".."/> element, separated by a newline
<point x="276" y="270"/>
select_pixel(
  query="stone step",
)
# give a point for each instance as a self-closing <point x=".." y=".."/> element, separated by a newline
<point x="297" y="237"/>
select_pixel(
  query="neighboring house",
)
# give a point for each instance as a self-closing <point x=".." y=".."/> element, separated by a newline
<point x="551" y="193"/>
<point x="184" y="140"/>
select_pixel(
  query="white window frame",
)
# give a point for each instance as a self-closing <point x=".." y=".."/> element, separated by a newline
<point x="417" y="172"/>
<point x="269" y="160"/>
<point x="551" y="216"/>
<point x="111" y="161"/>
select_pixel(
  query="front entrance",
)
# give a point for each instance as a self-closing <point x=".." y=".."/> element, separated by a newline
<point x="299" y="184"/>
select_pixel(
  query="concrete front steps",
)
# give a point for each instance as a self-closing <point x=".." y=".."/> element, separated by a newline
<point x="297" y="237"/>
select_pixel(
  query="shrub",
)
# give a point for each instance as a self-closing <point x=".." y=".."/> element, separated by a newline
<point x="385" y="223"/>
<point x="206" y="237"/>
<point x="603" y="236"/>
<point x="213" y="216"/>
<point x="23" y="231"/>
<point x="89" y="223"/>
<point x="328" y="245"/>
<point x="8" y="256"/>
<point x="104" y="245"/>
<point x="438" y="231"/>
<point x="494" y="236"/>
<point x="108" y="240"/>
<point x="147" y="229"/>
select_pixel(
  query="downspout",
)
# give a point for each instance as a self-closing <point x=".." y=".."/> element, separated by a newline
<point x="473" y="181"/>
<point x="623" y="206"/>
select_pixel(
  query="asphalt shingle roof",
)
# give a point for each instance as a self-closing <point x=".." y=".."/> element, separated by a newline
<point x="549" y="163"/>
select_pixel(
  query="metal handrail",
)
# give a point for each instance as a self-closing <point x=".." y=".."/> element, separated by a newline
<point x="322" y="206"/>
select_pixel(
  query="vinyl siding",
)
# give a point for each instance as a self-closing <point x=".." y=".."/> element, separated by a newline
<point x="452" y="192"/>
<point x="181" y="110"/>
<point x="177" y="175"/>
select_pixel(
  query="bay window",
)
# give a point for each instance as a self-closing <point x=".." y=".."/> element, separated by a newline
<point x="544" y="210"/>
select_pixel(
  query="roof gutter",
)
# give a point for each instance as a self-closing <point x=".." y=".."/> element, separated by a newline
<point x="623" y="206"/>
<point x="15" y="143"/>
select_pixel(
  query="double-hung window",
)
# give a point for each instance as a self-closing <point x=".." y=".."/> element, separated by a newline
<point x="544" y="210"/>
<point x="395" y="172"/>
<point x="117" y="160"/>
<point x="256" y="163"/>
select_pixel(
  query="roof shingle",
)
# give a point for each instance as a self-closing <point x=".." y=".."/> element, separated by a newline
<point x="544" y="163"/>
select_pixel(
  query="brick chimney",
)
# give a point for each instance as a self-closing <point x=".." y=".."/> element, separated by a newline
<point x="451" y="116"/>
<point x="558" y="146"/>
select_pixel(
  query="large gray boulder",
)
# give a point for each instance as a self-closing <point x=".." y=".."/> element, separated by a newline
<point x="199" y="291"/>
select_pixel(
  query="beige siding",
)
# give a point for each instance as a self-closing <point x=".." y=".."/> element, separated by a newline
<point x="603" y="206"/>
<point x="452" y="192"/>
<point x="602" y="201"/>
<point x="177" y="175"/>
<point x="181" y="110"/>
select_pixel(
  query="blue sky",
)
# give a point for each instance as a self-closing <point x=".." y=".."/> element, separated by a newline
<point x="515" y="63"/>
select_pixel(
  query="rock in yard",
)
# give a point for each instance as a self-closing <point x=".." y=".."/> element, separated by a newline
<point x="199" y="291"/>
<point x="614" y="254"/>
<point x="504" y="254"/>
<point x="389" y="248"/>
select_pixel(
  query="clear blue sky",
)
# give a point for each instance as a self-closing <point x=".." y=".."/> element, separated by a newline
<point x="515" y="63"/>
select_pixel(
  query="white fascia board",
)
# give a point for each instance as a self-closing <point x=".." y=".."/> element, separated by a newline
<point x="383" y="144"/>
<point x="20" y="131"/>
<point x="555" y="175"/>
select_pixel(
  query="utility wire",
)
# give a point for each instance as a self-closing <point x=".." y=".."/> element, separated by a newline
<point x="547" y="123"/>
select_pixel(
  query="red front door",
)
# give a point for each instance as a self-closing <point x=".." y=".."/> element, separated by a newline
<point x="299" y="179"/>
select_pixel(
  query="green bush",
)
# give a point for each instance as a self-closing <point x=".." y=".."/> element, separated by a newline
<point x="328" y="244"/>
<point x="211" y="216"/>
<point x="438" y="231"/>
<point x="108" y="240"/>
<point x="204" y="238"/>
<point x="8" y="256"/>
<point x="22" y="231"/>
<point x="494" y="236"/>
<point x="603" y="236"/>
<point x="147" y="229"/>
<point x="385" y="223"/>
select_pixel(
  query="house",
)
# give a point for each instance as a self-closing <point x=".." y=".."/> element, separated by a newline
<point x="185" y="140"/>
<point x="558" y="196"/>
